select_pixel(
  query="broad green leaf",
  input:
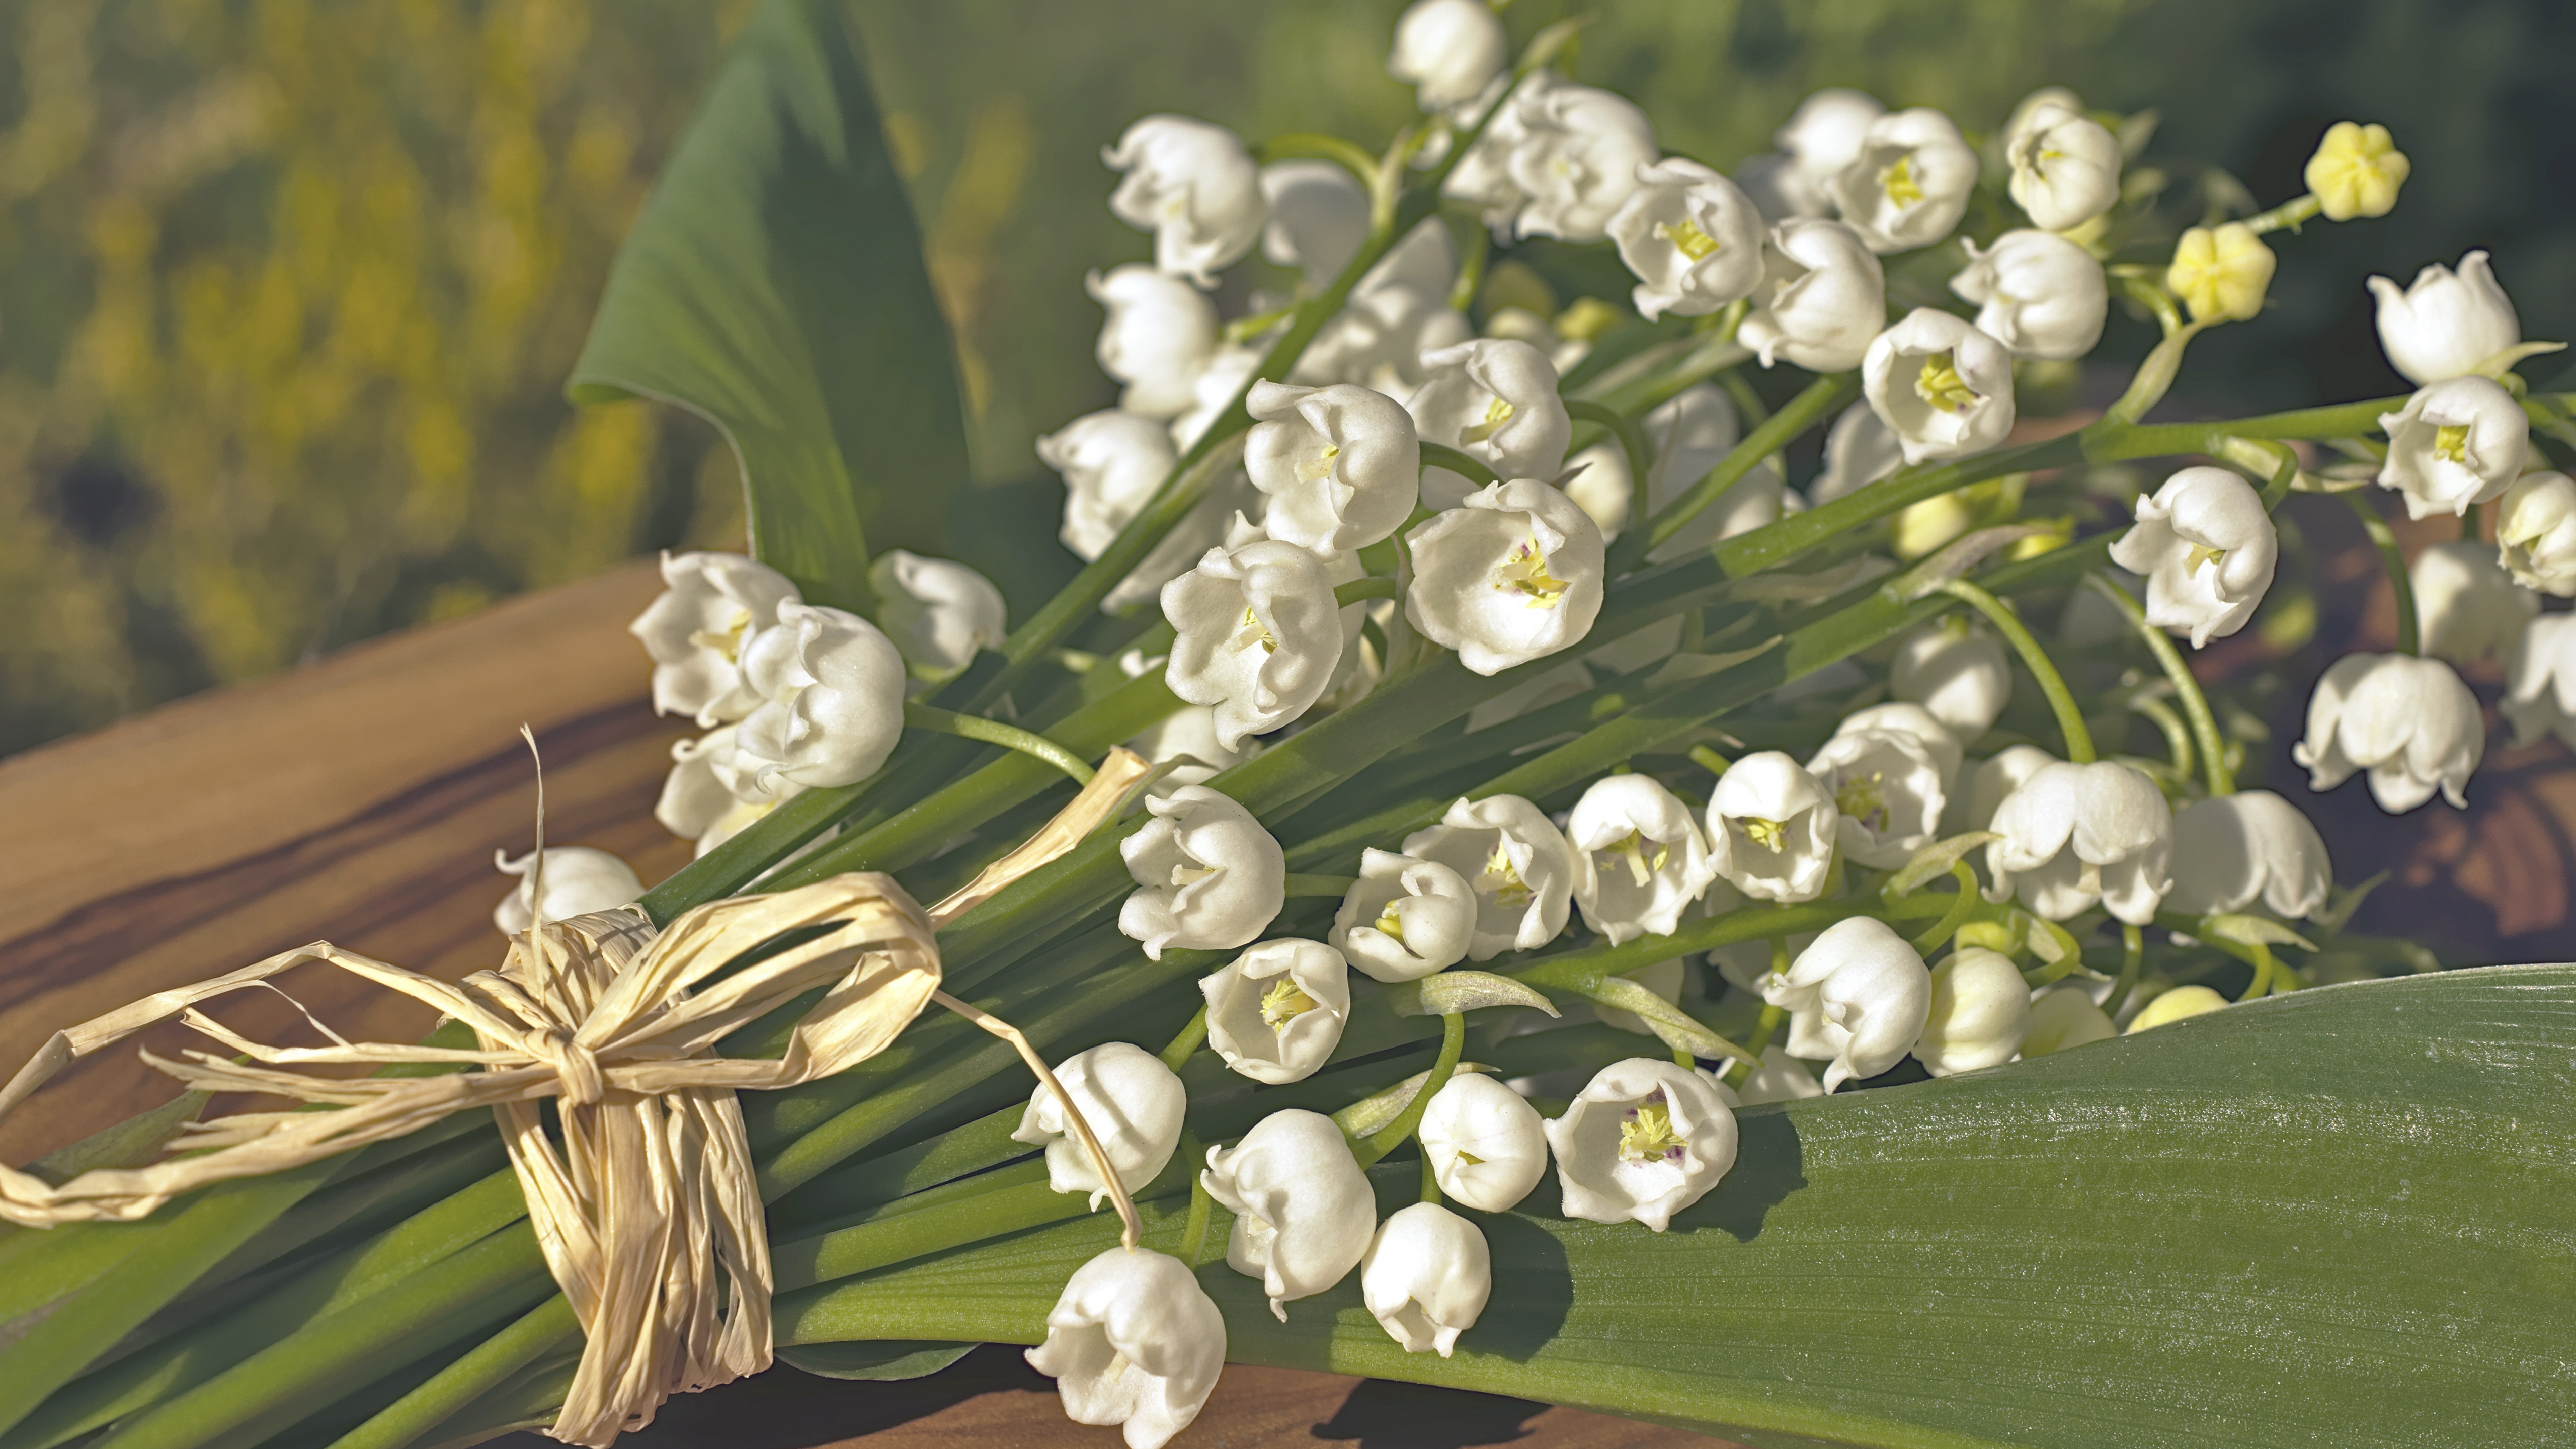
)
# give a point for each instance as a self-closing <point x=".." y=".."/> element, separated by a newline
<point x="2336" y="1217"/>
<point x="774" y="285"/>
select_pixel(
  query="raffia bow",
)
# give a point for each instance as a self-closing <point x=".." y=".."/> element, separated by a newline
<point x="649" y="1214"/>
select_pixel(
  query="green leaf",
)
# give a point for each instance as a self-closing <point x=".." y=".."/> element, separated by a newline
<point x="774" y="285"/>
<point x="2334" y="1217"/>
<point x="895" y="1358"/>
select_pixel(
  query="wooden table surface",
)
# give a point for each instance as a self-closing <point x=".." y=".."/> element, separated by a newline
<point x="360" y="800"/>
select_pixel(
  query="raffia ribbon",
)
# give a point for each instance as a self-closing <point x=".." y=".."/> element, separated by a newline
<point x="649" y="1214"/>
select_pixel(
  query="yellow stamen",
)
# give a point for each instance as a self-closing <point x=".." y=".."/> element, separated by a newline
<point x="2203" y="556"/>
<point x="1647" y="1134"/>
<point x="1389" y="924"/>
<point x="1189" y="874"/>
<point x="1687" y="238"/>
<point x="1525" y="573"/>
<point x="1469" y="1159"/>
<point x="1771" y="835"/>
<point x="1497" y="413"/>
<point x="1252" y="627"/>
<point x="729" y="642"/>
<point x="1940" y="384"/>
<point x="2451" y="443"/>
<point x="1320" y="466"/>
<point x="1897" y="180"/>
<point x="1633" y="850"/>
<point x="1863" y="799"/>
<point x="1283" y="1003"/>
<point x="1502" y="880"/>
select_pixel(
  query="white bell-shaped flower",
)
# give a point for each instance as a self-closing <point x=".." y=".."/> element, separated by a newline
<point x="1448" y="51"/>
<point x="2065" y="167"/>
<point x="2034" y="109"/>
<point x="1495" y="400"/>
<point x="1212" y="394"/>
<point x="2232" y="851"/>
<point x="2466" y="606"/>
<point x="1576" y="159"/>
<point x="2063" y="1017"/>
<point x="578" y="880"/>
<point x="834" y="687"/>
<point x="2446" y="324"/>
<point x="1693" y="238"/>
<point x="2074" y="835"/>
<point x="2536" y="533"/>
<point x="1378" y="341"/>
<point x="1341" y="465"/>
<point x="1864" y="989"/>
<point x="1256" y="635"/>
<point x="1819" y="139"/>
<point x="1690" y="433"/>
<point x="1487" y="1144"/>
<point x="1780" y="1078"/>
<point x="1132" y="1103"/>
<point x="1482" y="180"/>
<point x="1112" y="462"/>
<point x="2037" y="293"/>
<point x="1404" y="918"/>
<point x="1186" y="740"/>
<point x="2455" y="443"/>
<point x="1860" y="449"/>
<point x="1823" y="297"/>
<point x="2412" y="723"/>
<point x="2207" y="550"/>
<point x="938" y="612"/>
<point x="1943" y="387"/>
<point x="1515" y="861"/>
<point x="1426" y="1277"/>
<point x="1303" y="1211"/>
<point x="1157" y="338"/>
<point x="1208" y="877"/>
<point x="1910" y="182"/>
<point x="2540" y="681"/>
<point x="1771" y="828"/>
<point x="1643" y="1140"/>
<point x="1890" y="786"/>
<point x="694" y="630"/>
<point x="1514" y="574"/>
<point x="713" y="794"/>
<point x="1276" y="1011"/>
<point x="1194" y="186"/>
<point x="1319" y="217"/>
<point x="1133" y="1342"/>
<point x="1639" y="858"/>
<point x="1957" y="671"/>
<point x="1980" y="1011"/>
<point x="1922" y="724"/>
<point x="1996" y="779"/>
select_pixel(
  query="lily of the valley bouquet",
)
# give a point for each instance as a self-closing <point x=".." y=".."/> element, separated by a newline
<point x="1480" y="879"/>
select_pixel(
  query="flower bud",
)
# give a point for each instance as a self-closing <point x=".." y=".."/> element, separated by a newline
<point x="1494" y="400"/>
<point x="2221" y="275"/>
<point x="1980" y="1010"/>
<point x="2207" y="550"/>
<point x="1112" y="462"/>
<point x="2410" y="722"/>
<point x="1780" y="1078"/>
<point x="1341" y="465"/>
<point x="1404" y="918"/>
<point x="1303" y="1210"/>
<point x="2536" y="533"/>
<point x="834" y="688"/>
<point x="2454" y="444"/>
<point x="1889" y="790"/>
<point x="1319" y="218"/>
<point x="1135" y="1341"/>
<point x="1823" y="297"/>
<point x="1426" y="1277"/>
<point x="2466" y="606"/>
<point x="1488" y="1146"/>
<point x="937" y="611"/>
<point x="1157" y="338"/>
<point x="1771" y="828"/>
<point x="578" y="880"/>
<point x="694" y="631"/>
<point x="1256" y="634"/>
<point x="1819" y="139"/>
<point x="2064" y="1017"/>
<point x="1513" y="575"/>
<point x="1956" y="671"/>
<point x="1639" y="858"/>
<point x="2231" y="851"/>
<point x="1860" y="449"/>
<point x="1276" y="1012"/>
<point x="1209" y="877"/>
<point x="1691" y="236"/>
<point x="2038" y="294"/>
<point x="2540" y="688"/>
<point x="1642" y="1141"/>
<point x="2065" y="167"/>
<point x="2356" y="171"/>
<point x="1576" y="159"/>
<point x="1910" y="183"/>
<point x="1997" y="778"/>
<point x="2074" y="835"/>
<point x="1514" y="860"/>
<point x="1864" y="993"/>
<point x="1132" y="1103"/>
<point x="2446" y="324"/>
<point x="2173" y="1006"/>
<point x="1194" y="186"/>
<point x="1448" y="51"/>
<point x="1944" y="387"/>
<point x="1918" y="723"/>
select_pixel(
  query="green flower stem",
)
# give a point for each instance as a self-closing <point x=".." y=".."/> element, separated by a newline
<point x="2290" y="214"/>
<point x="994" y="732"/>
<point x="1435" y="455"/>
<point x="1358" y="589"/>
<point x="2070" y="716"/>
<point x="1187" y="1043"/>
<point x="1576" y="971"/>
<point x="2133" y="954"/>
<point x="1453" y="1045"/>
<point x="2177" y="734"/>
<point x="549" y="1326"/>
<point x="2260" y="956"/>
<point x="1710" y="760"/>
<point x="1315" y="146"/>
<point x="1962" y="906"/>
<point x="1795" y="417"/>
<point x="2393" y="560"/>
<point x="1335" y="886"/>
<point x="2195" y="705"/>
<point x="1632" y="445"/>
<point x="1764" y="1028"/>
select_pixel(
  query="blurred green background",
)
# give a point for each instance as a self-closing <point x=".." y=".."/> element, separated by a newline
<point x="288" y="288"/>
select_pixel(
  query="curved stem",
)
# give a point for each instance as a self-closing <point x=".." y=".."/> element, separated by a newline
<point x="1632" y="444"/>
<point x="1315" y="146"/>
<point x="2070" y="719"/>
<point x="1453" y="1044"/>
<point x="2393" y="560"/>
<point x="994" y="732"/>
<point x="1370" y="588"/>
<point x="1435" y="455"/>
<point x="1961" y="907"/>
<point x="2133" y="953"/>
<point x="2177" y="734"/>
<point x="2289" y="214"/>
<point x="2195" y="705"/>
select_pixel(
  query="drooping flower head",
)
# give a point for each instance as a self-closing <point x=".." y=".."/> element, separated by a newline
<point x="1642" y="1141"/>
<point x="1276" y="1012"/>
<point x="1771" y="828"/>
<point x="1514" y="574"/>
<point x="2446" y="324"/>
<point x="2077" y="835"/>
<point x="1194" y="186"/>
<point x="2454" y="444"/>
<point x="1861" y="992"/>
<point x="1426" y="1277"/>
<point x="1692" y="237"/>
<point x="1979" y="1013"/>
<point x="2231" y="851"/>
<point x="1515" y="861"/>
<point x="2037" y="293"/>
<point x="1133" y="1342"/>
<point x="2536" y="533"/>
<point x="2207" y="550"/>
<point x="1208" y="877"/>
<point x="695" y="628"/>
<point x="1341" y="465"/>
<point x="1487" y="1144"/>
<point x="2467" y="607"/>
<point x="1639" y="859"/>
<point x="1404" y="918"/>
<point x="939" y="612"/>
<point x="1132" y="1103"/>
<point x="1910" y="182"/>
<point x="1449" y="51"/>
<point x="2540" y="687"/>
<point x="832" y="688"/>
<point x="1304" y="1214"/>
<point x="1943" y="387"/>
<point x="1157" y="338"/>
<point x="1495" y="400"/>
<point x="1823" y="297"/>
<point x="1257" y="635"/>
<point x="1319" y="217"/>
<point x="2065" y="167"/>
